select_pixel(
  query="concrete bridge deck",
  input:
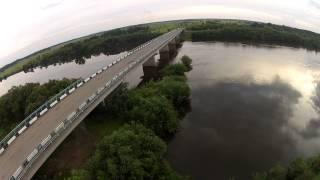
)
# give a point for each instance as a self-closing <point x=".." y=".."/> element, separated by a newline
<point x="17" y="152"/>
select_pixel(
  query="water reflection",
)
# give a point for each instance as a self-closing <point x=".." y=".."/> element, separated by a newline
<point x="241" y="125"/>
<point x="79" y="68"/>
<point x="251" y="108"/>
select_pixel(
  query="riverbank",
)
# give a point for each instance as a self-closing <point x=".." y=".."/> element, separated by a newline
<point x="196" y="30"/>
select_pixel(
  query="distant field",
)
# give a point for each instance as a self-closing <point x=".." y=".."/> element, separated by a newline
<point x="117" y="40"/>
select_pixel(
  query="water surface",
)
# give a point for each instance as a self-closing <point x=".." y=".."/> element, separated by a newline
<point x="251" y="108"/>
<point x="59" y="71"/>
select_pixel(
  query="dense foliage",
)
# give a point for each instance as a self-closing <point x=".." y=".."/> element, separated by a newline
<point x="253" y="32"/>
<point x="187" y="61"/>
<point x="155" y="113"/>
<point x="132" y="152"/>
<point x="174" y="70"/>
<point x="157" y="105"/>
<point x="299" y="169"/>
<point x="20" y="101"/>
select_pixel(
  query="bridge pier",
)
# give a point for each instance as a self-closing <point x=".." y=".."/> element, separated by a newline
<point x="150" y="68"/>
<point x="164" y="56"/>
<point x="178" y="42"/>
<point x="172" y="48"/>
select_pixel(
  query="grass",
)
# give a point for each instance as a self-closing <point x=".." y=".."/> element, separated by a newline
<point x="78" y="147"/>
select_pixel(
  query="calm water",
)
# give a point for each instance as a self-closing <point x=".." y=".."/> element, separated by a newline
<point x="68" y="70"/>
<point x="251" y="107"/>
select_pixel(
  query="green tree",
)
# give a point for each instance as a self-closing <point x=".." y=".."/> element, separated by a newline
<point x="174" y="70"/>
<point x="132" y="152"/>
<point x="154" y="112"/>
<point x="175" y="89"/>
<point x="20" y="101"/>
<point x="187" y="61"/>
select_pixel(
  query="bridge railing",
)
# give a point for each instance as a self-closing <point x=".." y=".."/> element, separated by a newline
<point x="29" y="120"/>
<point x="62" y="127"/>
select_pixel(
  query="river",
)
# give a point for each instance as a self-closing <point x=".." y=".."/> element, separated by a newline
<point x="252" y="107"/>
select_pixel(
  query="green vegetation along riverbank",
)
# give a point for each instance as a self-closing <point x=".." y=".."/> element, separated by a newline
<point x="122" y="39"/>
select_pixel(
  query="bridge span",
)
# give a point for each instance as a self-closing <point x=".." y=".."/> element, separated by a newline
<point x="26" y="148"/>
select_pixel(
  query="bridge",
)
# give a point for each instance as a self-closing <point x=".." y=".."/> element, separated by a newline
<point x="26" y="148"/>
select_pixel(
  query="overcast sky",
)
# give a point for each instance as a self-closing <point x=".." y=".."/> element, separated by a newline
<point x="31" y="25"/>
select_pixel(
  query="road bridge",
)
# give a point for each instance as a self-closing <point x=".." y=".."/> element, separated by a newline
<point x="26" y="148"/>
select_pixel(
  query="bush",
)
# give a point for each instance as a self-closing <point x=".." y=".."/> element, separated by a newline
<point x="187" y="61"/>
<point x="174" y="70"/>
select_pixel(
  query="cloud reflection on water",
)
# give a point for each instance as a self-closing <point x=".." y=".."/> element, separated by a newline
<point x="237" y="122"/>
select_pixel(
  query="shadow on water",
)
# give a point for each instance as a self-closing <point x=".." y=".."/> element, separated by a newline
<point x="238" y="124"/>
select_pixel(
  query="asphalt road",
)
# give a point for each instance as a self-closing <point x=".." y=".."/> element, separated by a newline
<point x="17" y="152"/>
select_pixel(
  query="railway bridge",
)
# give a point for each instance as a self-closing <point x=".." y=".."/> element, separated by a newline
<point x="26" y="148"/>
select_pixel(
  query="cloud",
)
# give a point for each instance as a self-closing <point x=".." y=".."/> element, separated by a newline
<point x="51" y="5"/>
<point x="315" y="4"/>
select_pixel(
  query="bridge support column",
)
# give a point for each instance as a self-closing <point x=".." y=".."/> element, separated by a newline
<point x="150" y="68"/>
<point x="172" y="48"/>
<point x="178" y="42"/>
<point x="164" y="56"/>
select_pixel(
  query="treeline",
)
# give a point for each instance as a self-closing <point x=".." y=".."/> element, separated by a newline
<point x="20" y="101"/>
<point x="137" y="150"/>
<point x="253" y="32"/>
<point x="110" y="42"/>
<point x="299" y="169"/>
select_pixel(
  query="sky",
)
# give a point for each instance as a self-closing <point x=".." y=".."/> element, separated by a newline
<point x="29" y="26"/>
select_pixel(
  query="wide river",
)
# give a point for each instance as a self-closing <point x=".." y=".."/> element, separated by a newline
<point x="252" y="107"/>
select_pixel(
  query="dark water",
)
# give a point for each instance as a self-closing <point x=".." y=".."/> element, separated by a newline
<point x="251" y="108"/>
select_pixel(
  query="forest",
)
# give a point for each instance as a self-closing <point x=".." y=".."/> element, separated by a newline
<point x="255" y="33"/>
<point x="111" y="42"/>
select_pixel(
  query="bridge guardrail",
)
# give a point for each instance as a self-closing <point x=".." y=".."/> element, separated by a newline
<point x="45" y="143"/>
